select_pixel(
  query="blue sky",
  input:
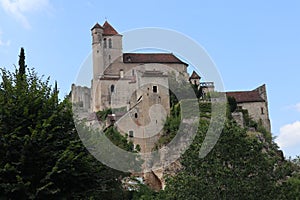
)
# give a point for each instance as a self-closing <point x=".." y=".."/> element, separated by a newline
<point x="251" y="43"/>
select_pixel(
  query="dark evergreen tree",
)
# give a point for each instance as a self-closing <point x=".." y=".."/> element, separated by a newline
<point x="22" y="66"/>
<point x="41" y="155"/>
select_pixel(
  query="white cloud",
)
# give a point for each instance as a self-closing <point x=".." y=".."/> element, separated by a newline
<point x="18" y="8"/>
<point x="289" y="136"/>
<point x="297" y="106"/>
<point x="2" y="42"/>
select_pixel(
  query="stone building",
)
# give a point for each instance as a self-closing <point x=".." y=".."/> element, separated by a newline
<point x="205" y="87"/>
<point x="136" y="87"/>
<point x="256" y="102"/>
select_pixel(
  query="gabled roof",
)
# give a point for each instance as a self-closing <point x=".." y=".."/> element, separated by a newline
<point x="246" y="96"/>
<point x="151" y="58"/>
<point x="195" y="75"/>
<point x="108" y="29"/>
<point x="97" y="26"/>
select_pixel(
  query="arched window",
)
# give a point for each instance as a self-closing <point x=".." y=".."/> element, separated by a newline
<point x="112" y="88"/>
<point x="104" y="43"/>
<point x="109" y="43"/>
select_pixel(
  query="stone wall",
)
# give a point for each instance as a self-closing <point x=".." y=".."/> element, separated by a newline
<point x="81" y="96"/>
<point x="239" y="118"/>
<point x="258" y="111"/>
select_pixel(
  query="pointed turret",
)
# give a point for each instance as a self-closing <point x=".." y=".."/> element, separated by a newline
<point x="97" y="25"/>
<point x="108" y="30"/>
<point x="195" y="78"/>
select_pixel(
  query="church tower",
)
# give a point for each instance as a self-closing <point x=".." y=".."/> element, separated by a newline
<point x="106" y="48"/>
<point x="112" y="44"/>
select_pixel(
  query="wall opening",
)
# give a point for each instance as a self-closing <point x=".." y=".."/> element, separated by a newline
<point x="130" y="134"/>
<point x="109" y="43"/>
<point x="262" y="110"/>
<point x="104" y="43"/>
<point x="135" y="115"/>
<point x="112" y="88"/>
<point x="154" y="89"/>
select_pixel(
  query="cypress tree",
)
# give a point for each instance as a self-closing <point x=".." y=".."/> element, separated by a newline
<point x="22" y="65"/>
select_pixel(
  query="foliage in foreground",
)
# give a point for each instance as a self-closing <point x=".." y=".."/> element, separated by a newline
<point x="242" y="165"/>
<point x="41" y="155"/>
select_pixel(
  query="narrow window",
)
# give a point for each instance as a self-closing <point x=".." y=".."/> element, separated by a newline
<point x="154" y="89"/>
<point x="104" y="43"/>
<point x="130" y="134"/>
<point x="136" y="115"/>
<point x="109" y="43"/>
<point x="112" y="88"/>
<point x="262" y="110"/>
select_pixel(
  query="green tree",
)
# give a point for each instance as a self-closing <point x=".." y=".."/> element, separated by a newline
<point x="22" y="66"/>
<point x="41" y="155"/>
<point x="242" y="165"/>
<point x="232" y="103"/>
<point x="239" y="167"/>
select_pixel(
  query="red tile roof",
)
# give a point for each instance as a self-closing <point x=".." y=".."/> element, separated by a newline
<point x="151" y="58"/>
<point x="246" y="96"/>
<point x="108" y="29"/>
<point x="194" y="75"/>
<point x="97" y="26"/>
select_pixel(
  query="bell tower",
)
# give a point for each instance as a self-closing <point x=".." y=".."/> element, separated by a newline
<point x="97" y="45"/>
<point x="112" y="44"/>
<point x="107" y="47"/>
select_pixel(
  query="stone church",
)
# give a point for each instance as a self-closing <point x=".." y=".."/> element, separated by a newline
<point x="136" y="87"/>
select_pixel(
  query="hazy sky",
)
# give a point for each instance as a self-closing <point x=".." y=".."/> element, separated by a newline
<point x="251" y="43"/>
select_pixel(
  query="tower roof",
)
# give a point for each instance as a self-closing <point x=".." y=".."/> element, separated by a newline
<point x="194" y="75"/>
<point x="97" y="26"/>
<point x="108" y="29"/>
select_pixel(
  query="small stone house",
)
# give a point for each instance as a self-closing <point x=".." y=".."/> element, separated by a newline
<point x="256" y="102"/>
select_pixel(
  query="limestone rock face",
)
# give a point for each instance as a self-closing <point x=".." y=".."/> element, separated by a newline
<point x="156" y="179"/>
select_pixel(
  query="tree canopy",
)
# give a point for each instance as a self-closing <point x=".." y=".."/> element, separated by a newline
<point x="41" y="155"/>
